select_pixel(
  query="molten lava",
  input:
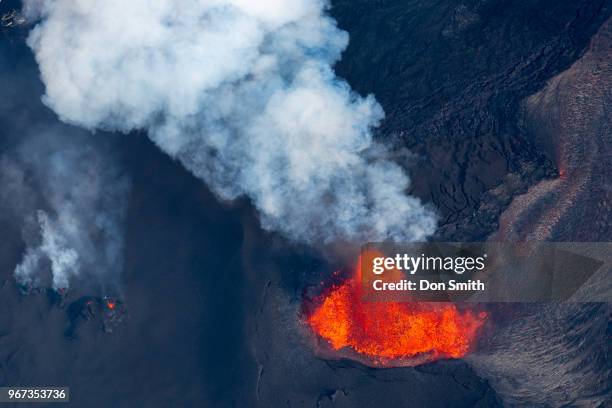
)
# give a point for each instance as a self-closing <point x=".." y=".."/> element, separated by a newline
<point x="392" y="333"/>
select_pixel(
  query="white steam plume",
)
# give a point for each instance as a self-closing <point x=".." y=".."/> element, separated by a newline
<point x="70" y="197"/>
<point x="243" y="93"/>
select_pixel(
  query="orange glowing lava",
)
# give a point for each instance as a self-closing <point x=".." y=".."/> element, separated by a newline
<point x="111" y="305"/>
<point x="384" y="331"/>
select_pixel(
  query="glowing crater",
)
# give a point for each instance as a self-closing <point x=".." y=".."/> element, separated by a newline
<point x="391" y="333"/>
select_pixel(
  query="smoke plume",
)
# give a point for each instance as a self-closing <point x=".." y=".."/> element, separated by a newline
<point x="243" y="93"/>
<point x="69" y="196"/>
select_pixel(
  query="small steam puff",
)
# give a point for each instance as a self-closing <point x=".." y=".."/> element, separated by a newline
<point x="243" y="93"/>
<point x="54" y="247"/>
<point x="70" y="198"/>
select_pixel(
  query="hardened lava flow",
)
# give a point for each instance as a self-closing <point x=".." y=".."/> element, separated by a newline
<point x="389" y="334"/>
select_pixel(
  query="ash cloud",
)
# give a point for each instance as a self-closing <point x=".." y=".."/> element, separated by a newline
<point x="69" y="197"/>
<point x="243" y="93"/>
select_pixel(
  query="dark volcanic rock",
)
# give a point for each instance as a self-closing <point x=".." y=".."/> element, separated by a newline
<point x="571" y="119"/>
<point x="564" y="357"/>
<point x="451" y="77"/>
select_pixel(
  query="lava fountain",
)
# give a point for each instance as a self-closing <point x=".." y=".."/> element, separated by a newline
<point x="389" y="333"/>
